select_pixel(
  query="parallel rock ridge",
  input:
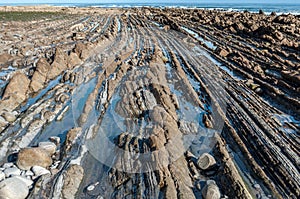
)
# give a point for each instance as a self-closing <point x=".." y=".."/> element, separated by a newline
<point x="149" y="103"/>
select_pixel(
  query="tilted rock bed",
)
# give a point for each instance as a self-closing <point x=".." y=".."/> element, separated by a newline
<point x="150" y="103"/>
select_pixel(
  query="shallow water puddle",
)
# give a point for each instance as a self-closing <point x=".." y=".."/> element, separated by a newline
<point x="5" y="71"/>
<point x="119" y="25"/>
<point x="209" y="44"/>
<point x="285" y="119"/>
<point x="273" y="73"/>
<point x="199" y="141"/>
<point x="70" y="119"/>
<point x="33" y="100"/>
<point x="219" y="64"/>
<point x="5" y="74"/>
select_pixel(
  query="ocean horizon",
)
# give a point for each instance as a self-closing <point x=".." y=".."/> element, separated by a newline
<point x="279" y="8"/>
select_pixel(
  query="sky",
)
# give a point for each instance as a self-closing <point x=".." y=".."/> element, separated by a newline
<point x="146" y="1"/>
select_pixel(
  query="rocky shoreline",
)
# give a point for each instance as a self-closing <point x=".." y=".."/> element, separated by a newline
<point x="148" y="103"/>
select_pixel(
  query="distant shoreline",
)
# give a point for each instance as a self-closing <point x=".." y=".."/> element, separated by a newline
<point x="267" y="8"/>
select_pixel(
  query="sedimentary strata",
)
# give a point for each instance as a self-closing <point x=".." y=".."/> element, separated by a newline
<point x="149" y="103"/>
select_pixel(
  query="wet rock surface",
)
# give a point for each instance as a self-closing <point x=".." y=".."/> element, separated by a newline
<point x="149" y="103"/>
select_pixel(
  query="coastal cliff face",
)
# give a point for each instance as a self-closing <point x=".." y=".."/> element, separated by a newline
<point x="148" y="103"/>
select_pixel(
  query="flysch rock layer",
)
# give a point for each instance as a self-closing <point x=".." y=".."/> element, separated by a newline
<point x="149" y="103"/>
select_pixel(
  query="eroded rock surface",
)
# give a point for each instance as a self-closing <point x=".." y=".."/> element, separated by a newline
<point x="149" y="103"/>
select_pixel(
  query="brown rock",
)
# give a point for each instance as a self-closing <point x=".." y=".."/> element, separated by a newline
<point x="254" y="27"/>
<point x="288" y="62"/>
<point x="217" y="19"/>
<point x="43" y="66"/>
<point x="4" y="58"/>
<point x="167" y="28"/>
<point x="157" y="139"/>
<point x="239" y="26"/>
<point x="86" y="52"/>
<point x="66" y="77"/>
<point x="10" y="116"/>
<point x="73" y="60"/>
<point x="231" y="29"/>
<point x="29" y="157"/>
<point x="269" y="38"/>
<point x="71" y="137"/>
<point x="18" y="85"/>
<point x="286" y="42"/>
<point x="206" y="121"/>
<point x="80" y="49"/>
<point x="278" y="35"/>
<point x="211" y="190"/>
<point x="40" y="75"/>
<point x="292" y="76"/>
<point x="258" y="69"/>
<point x="222" y="52"/>
<point x="264" y="30"/>
<point x="77" y="27"/>
<point x="17" y="63"/>
<point x="205" y="161"/>
<point x="59" y="64"/>
<point x="78" y="36"/>
<point x="72" y="180"/>
<point x="15" y="91"/>
<point x="170" y="188"/>
<point x="37" y="82"/>
<point x="230" y="174"/>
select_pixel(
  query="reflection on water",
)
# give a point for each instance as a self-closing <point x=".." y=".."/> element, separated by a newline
<point x="209" y="44"/>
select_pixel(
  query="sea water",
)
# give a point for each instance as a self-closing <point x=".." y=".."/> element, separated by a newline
<point x="279" y="8"/>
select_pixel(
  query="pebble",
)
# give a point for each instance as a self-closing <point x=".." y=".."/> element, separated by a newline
<point x="39" y="171"/>
<point x="256" y="186"/>
<point x="205" y="161"/>
<point x="13" y="188"/>
<point x="198" y="186"/>
<point x="55" y="165"/>
<point x="211" y="190"/>
<point x="48" y="146"/>
<point x="10" y="116"/>
<point x="55" y="140"/>
<point x="13" y="171"/>
<point x="8" y="165"/>
<point x="29" y="173"/>
<point x="190" y="155"/>
<point x="90" y="188"/>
